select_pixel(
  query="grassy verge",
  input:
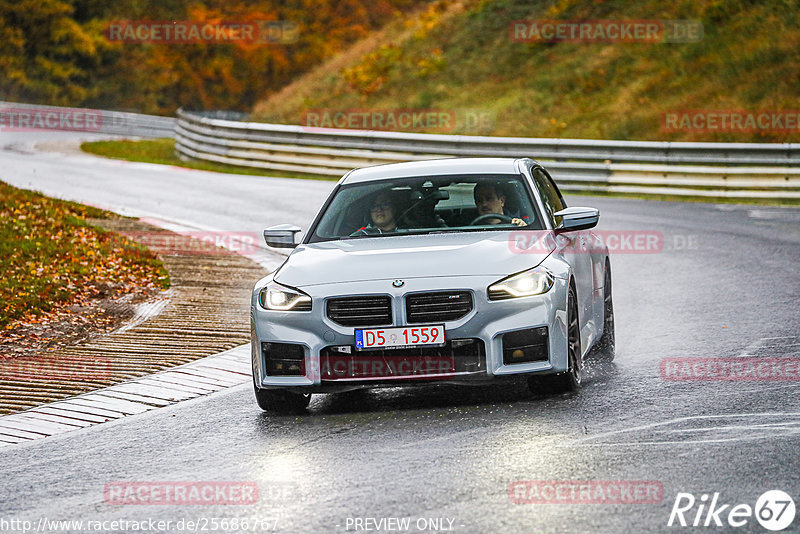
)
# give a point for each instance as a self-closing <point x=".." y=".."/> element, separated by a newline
<point x="162" y="151"/>
<point x="51" y="258"/>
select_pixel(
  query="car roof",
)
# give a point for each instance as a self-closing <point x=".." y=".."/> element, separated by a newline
<point x="433" y="167"/>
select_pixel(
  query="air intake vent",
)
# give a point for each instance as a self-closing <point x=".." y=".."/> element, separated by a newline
<point x="499" y="294"/>
<point x="438" y="307"/>
<point x="284" y="359"/>
<point x="529" y="345"/>
<point x="360" y="311"/>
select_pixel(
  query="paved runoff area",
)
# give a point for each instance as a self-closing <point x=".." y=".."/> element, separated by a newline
<point x="201" y="377"/>
<point x="205" y="312"/>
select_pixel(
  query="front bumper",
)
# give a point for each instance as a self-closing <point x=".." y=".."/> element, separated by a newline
<point x="485" y="324"/>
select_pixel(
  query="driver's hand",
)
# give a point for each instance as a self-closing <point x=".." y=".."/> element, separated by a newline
<point x="518" y="222"/>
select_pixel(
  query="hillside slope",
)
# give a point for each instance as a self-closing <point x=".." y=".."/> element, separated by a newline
<point x="126" y="54"/>
<point x="459" y="58"/>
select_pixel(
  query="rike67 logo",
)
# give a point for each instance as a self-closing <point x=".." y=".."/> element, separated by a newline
<point x="774" y="510"/>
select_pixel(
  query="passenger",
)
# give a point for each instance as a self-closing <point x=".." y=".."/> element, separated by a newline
<point x="381" y="213"/>
<point x="489" y="199"/>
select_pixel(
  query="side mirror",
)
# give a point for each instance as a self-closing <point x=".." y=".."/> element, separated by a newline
<point x="281" y="236"/>
<point x="577" y="219"/>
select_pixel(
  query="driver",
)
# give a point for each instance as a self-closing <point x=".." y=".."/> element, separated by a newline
<point x="490" y="199"/>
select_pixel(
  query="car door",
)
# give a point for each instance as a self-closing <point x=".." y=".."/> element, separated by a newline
<point x="575" y="251"/>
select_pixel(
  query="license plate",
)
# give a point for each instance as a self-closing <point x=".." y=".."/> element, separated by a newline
<point x="397" y="338"/>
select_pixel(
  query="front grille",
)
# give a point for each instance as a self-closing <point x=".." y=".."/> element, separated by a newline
<point x="438" y="307"/>
<point x="456" y="356"/>
<point x="360" y="311"/>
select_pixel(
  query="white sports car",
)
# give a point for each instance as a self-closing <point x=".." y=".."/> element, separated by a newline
<point x="464" y="271"/>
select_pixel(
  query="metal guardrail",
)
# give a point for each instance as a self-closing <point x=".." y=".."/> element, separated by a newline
<point x="31" y="117"/>
<point x="734" y="170"/>
<point x="738" y="170"/>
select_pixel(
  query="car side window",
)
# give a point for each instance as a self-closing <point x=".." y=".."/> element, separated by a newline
<point x="550" y="196"/>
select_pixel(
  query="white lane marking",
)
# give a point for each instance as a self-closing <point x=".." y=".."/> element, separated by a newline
<point x="768" y="342"/>
<point x="727" y="428"/>
<point x="751" y="348"/>
<point x="129" y="396"/>
<point x="188" y="381"/>
<point x="67" y="414"/>
<point x="175" y="386"/>
<point x="81" y="410"/>
<point x="126" y="407"/>
<point x="19" y="434"/>
<point x="773" y="214"/>
<point x="240" y="368"/>
<point x="101" y="404"/>
<point x="14" y="427"/>
<point x="48" y="426"/>
<point x="200" y="380"/>
<point x="688" y="418"/>
<point x="787" y="425"/>
<point x="55" y="419"/>
<point x="158" y="390"/>
<point x="137" y="388"/>
<point x="225" y="381"/>
<point x="177" y="380"/>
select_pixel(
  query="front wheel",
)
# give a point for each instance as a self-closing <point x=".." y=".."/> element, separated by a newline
<point x="569" y="380"/>
<point x="281" y="401"/>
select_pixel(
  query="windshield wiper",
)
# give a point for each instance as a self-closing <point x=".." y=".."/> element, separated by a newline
<point x="476" y="229"/>
<point x="493" y="228"/>
<point x="452" y="230"/>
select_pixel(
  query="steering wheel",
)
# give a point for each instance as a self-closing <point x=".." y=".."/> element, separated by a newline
<point x="489" y="216"/>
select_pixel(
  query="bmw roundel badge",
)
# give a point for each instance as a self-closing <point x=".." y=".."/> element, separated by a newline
<point x="398" y="283"/>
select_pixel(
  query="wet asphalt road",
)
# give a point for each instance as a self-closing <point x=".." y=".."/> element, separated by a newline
<point x="725" y="284"/>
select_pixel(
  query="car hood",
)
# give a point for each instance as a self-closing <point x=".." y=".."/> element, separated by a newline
<point x="406" y="257"/>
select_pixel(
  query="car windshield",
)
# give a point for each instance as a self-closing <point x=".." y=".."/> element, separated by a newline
<point x="428" y="204"/>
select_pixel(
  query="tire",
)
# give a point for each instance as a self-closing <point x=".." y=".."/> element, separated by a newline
<point x="604" y="349"/>
<point x="570" y="380"/>
<point x="281" y="401"/>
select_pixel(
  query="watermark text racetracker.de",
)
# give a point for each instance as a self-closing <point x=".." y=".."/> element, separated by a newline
<point x="733" y="121"/>
<point x="24" y="119"/>
<point x="181" y="493"/>
<point x="345" y="366"/>
<point x="732" y="369"/>
<point x="67" y="368"/>
<point x="606" y="31"/>
<point x="403" y="119"/>
<point x="206" y="32"/>
<point x="54" y="119"/>
<point x="585" y="492"/>
<point x="197" y="242"/>
<point x="594" y="241"/>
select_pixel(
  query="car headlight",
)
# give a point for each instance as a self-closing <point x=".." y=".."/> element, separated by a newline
<point x="277" y="297"/>
<point x="525" y="284"/>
